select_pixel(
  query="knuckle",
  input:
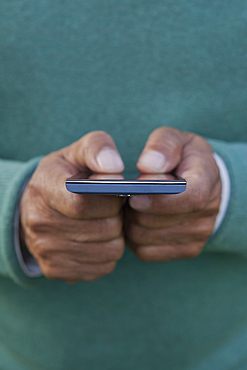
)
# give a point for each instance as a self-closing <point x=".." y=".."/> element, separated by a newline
<point x="167" y="131"/>
<point x="202" y="143"/>
<point x="119" y="250"/>
<point x="108" y="205"/>
<point x="200" y="200"/>
<point x="43" y="249"/>
<point x="168" y="139"/>
<point x="97" y="135"/>
<point x="32" y="220"/>
<point x="149" y="221"/>
<point x="204" y="230"/>
<point x="84" y="206"/>
<point x="116" y="206"/>
<point x="207" y="232"/>
<point x="142" y="219"/>
<point x="107" y="229"/>
<point x="37" y="218"/>
<point x="112" y="227"/>
<point x="32" y="188"/>
<point x="132" y="232"/>
<point x="75" y="207"/>
<point x="172" y="142"/>
<point x="116" y="249"/>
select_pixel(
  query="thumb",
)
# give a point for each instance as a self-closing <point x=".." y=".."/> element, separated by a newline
<point x="162" y="152"/>
<point x="95" y="151"/>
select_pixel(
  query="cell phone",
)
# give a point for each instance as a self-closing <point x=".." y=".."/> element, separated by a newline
<point x="84" y="183"/>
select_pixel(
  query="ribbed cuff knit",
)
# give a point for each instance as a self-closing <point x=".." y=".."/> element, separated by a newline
<point x="13" y="176"/>
<point x="232" y="234"/>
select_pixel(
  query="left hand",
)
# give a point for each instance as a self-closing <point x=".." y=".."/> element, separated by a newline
<point x="162" y="228"/>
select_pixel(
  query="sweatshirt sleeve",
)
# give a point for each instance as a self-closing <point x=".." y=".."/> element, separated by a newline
<point x="13" y="175"/>
<point x="231" y="237"/>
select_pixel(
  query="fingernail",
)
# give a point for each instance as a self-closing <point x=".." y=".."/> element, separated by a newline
<point x="153" y="160"/>
<point x="140" y="202"/>
<point x="110" y="160"/>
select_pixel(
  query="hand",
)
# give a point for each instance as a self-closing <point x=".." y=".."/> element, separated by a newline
<point x="74" y="237"/>
<point x="162" y="228"/>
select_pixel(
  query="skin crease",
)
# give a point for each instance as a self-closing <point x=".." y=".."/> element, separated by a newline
<point x="77" y="237"/>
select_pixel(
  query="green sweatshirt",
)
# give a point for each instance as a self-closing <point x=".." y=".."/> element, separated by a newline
<point x="68" y="67"/>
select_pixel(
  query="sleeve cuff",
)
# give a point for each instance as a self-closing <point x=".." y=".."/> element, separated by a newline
<point x="26" y="260"/>
<point x="232" y="234"/>
<point x="225" y="191"/>
<point x="14" y="176"/>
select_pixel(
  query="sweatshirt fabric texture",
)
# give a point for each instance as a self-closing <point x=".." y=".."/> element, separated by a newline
<point x="126" y="67"/>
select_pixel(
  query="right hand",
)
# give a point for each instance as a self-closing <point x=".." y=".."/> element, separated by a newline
<point x="74" y="237"/>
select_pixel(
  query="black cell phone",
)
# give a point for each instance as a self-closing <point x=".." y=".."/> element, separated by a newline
<point x="95" y="183"/>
